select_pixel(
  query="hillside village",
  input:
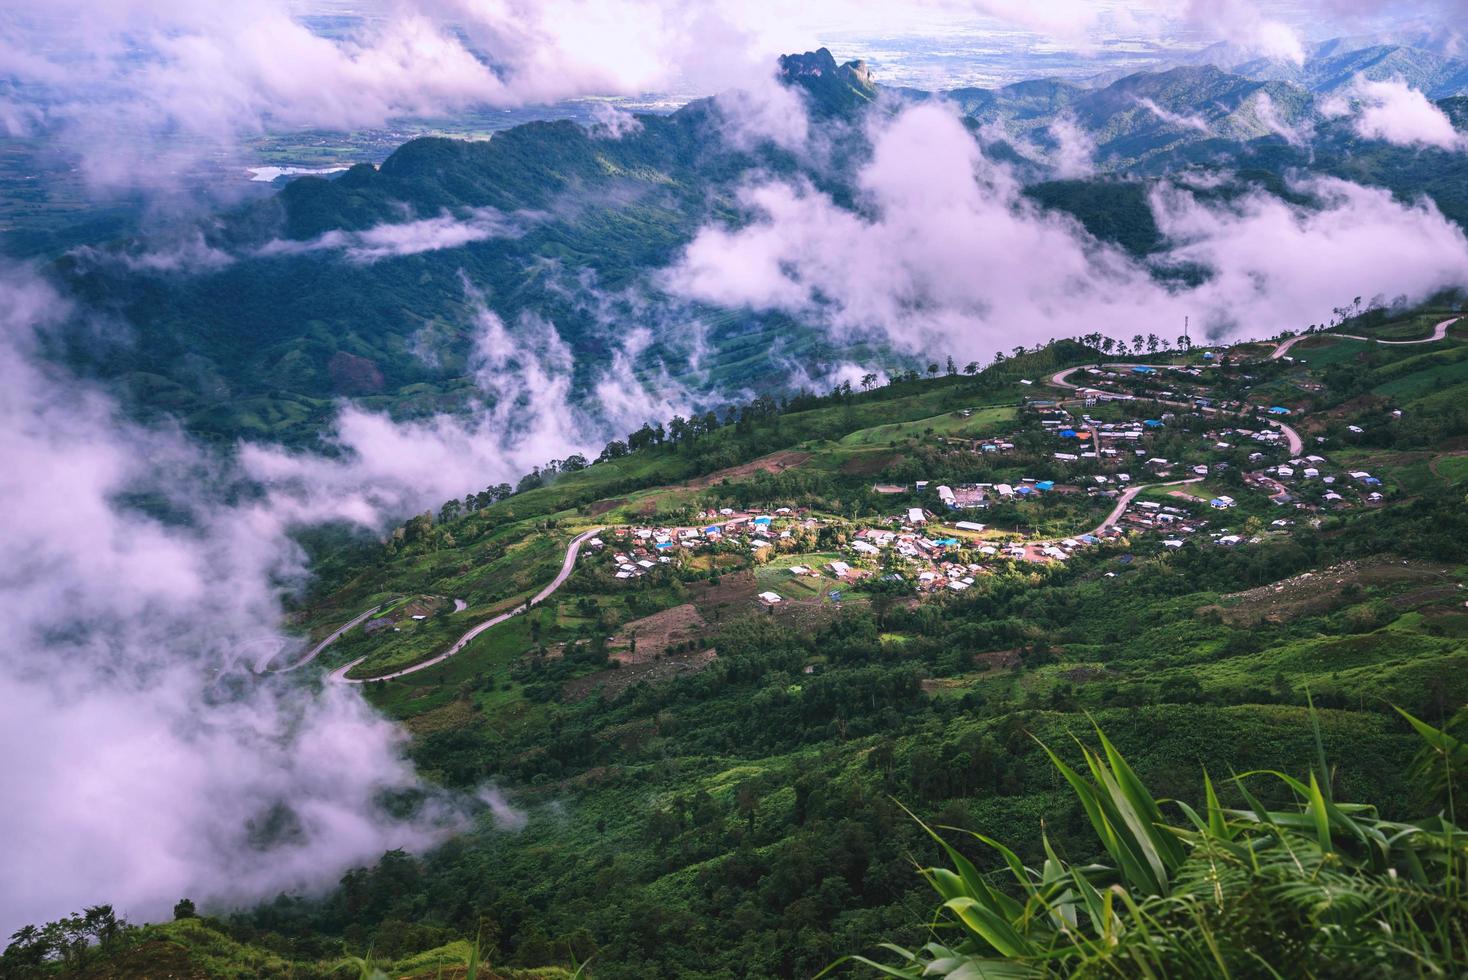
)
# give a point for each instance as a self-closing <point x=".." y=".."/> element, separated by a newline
<point x="1138" y="458"/>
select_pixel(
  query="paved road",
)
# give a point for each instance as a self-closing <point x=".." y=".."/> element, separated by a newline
<point x="1061" y="379"/>
<point x="1292" y="439"/>
<point x="316" y="651"/>
<point x="567" y="566"/>
<point x="1126" y="497"/>
<point x="1296" y="444"/>
<point x="1438" y="333"/>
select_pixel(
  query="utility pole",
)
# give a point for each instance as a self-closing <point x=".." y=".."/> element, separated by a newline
<point x="1186" y="338"/>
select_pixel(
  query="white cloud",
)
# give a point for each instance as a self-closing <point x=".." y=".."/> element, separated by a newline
<point x="1399" y="114"/>
<point x="528" y="416"/>
<point x="1247" y="24"/>
<point x="390" y="240"/>
<point x="1176" y="118"/>
<point x="946" y="255"/>
<point x="1268" y="114"/>
<point x="609" y="122"/>
<point x="144" y="759"/>
<point x="1075" y="150"/>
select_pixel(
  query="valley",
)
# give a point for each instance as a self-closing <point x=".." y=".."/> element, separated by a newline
<point x="995" y="505"/>
<point x="717" y="697"/>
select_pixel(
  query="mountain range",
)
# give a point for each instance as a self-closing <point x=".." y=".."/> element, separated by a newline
<point x="252" y="323"/>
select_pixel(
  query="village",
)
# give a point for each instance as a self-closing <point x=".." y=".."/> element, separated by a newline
<point x="1146" y="456"/>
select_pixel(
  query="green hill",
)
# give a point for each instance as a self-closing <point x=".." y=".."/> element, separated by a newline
<point x="714" y="787"/>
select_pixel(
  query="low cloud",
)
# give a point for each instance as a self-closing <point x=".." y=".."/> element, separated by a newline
<point x="1269" y="116"/>
<point x="145" y="761"/>
<point x="527" y="415"/>
<point x="1075" y="149"/>
<point x="610" y="123"/>
<point x="1179" y="119"/>
<point x="945" y="255"/>
<point x="394" y="239"/>
<point x="1248" y="25"/>
<point x="1396" y="113"/>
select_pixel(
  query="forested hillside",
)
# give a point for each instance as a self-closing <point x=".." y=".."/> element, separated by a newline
<point x="700" y="782"/>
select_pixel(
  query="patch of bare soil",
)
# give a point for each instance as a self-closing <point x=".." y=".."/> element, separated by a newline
<point x="869" y="463"/>
<point x="650" y="637"/>
<point x="1317" y="592"/>
<point x="773" y="463"/>
<point x="459" y="713"/>
<point x="600" y="507"/>
<point x="998" y="659"/>
<point x="731" y="596"/>
<point x="614" y="680"/>
<point x="808" y="614"/>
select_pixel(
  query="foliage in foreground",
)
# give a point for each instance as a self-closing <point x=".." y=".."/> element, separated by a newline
<point x="1326" y="889"/>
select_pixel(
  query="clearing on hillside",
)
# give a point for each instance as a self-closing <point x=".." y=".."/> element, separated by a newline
<point x="773" y="463"/>
<point x="655" y="634"/>
<point x="1317" y="592"/>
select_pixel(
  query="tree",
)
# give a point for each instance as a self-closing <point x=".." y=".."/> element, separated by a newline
<point x="971" y="368"/>
<point x="952" y="368"/>
<point x="933" y="369"/>
<point x="868" y="380"/>
<point x="184" y="909"/>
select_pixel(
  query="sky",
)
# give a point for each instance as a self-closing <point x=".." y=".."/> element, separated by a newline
<point x="144" y="753"/>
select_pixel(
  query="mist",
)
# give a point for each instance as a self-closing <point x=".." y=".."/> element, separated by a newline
<point x="945" y="255"/>
<point x="145" y="760"/>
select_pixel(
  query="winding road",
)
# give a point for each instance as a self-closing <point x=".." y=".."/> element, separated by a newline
<point x="1061" y="379"/>
<point x="567" y="566"/>
<point x="1438" y="333"/>
<point x="316" y="651"/>
<point x="1126" y="498"/>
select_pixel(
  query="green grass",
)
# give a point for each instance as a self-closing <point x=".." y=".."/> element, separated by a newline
<point x="983" y="422"/>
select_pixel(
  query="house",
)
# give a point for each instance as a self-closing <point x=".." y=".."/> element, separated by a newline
<point x="1278" y="410"/>
<point x="798" y="570"/>
<point x="1172" y="543"/>
<point x="769" y="598"/>
<point x="915" y="515"/>
<point x="865" y="548"/>
<point x="839" y="569"/>
<point x="945" y="494"/>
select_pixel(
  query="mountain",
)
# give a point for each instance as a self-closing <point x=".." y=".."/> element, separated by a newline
<point x="694" y="780"/>
<point x="835" y="89"/>
<point x="253" y="323"/>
